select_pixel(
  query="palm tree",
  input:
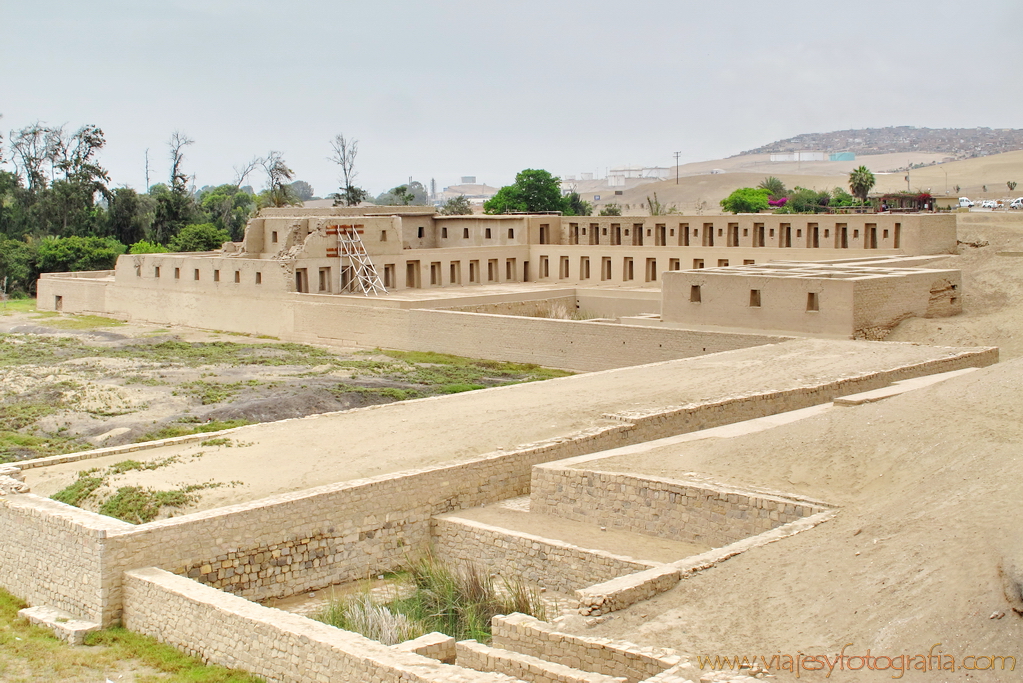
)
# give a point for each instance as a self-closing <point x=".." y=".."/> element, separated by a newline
<point x="861" y="180"/>
<point x="774" y="186"/>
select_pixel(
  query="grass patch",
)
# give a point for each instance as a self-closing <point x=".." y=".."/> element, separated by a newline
<point x="457" y="600"/>
<point x="185" y="429"/>
<point x="218" y="441"/>
<point x="81" y="489"/>
<point x="138" y="504"/>
<point x="12" y="306"/>
<point x="77" y="322"/>
<point x="215" y="392"/>
<point x="33" y="653"/>
<point x="392" y="393"/>
<point x="17" y="446"/>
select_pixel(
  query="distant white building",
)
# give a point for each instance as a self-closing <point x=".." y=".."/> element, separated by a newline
<point x="616" y="177"/>
<point x="798" y="156"/>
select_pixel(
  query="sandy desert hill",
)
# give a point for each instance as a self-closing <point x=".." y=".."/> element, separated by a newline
<point x="708" y="189"/>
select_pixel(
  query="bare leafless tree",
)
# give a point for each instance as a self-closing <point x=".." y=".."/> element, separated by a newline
<point x="32" y="151"/>
<point x="246" y="169"/>
<point x="177" y="143"/>
<point x="344" y="153"/>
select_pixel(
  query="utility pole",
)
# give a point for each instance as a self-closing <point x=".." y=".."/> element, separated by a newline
<point x="677" y="155"/>
<point x="147" y="170"/>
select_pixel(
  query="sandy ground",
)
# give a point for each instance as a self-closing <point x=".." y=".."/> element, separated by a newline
<point x="992" y="290"/>
<point x="929" y="488"/>
<point x="275" y="458"/>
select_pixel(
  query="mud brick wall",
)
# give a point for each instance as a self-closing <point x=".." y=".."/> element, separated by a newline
<point x="475" y="655"/>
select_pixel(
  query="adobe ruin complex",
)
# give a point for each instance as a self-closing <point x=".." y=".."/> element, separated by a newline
<point x="697" y="337"/>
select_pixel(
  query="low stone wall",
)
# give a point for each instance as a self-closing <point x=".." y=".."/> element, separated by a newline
<point x="56" y="555"/>
<point x="522" y="667"/>
<point x="433" y="645"/>
<point x="549" y="563"/>
<point x="702" y="513"/>
<point x="623" y="591"/>
<point x="224" y="629"/>
<point x="530" y="636"/>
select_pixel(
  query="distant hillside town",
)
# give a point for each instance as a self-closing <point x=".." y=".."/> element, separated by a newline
<point x="959" y="143"/>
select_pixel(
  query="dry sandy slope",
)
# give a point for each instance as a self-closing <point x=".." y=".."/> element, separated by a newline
<point x="930" y="489"/>
<point x="294" y="455"/>
<point x="992" y="290"/>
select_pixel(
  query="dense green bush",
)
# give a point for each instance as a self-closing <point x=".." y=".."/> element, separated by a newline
<point x="199" y="237"/>
<point x="746" y="200"/>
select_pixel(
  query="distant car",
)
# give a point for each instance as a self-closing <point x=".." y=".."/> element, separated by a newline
<point x="1016" y="203"/>
<point x="989" y="204"/>
<point x="964" y="202"/>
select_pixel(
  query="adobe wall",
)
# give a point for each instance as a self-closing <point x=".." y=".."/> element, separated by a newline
<point x="879" y="304"/>
<point x="211" y="624"/>
<point x="57" y="555"/>
<point x="77" y="294"/>
<point x="725" y="300"/>
<point x="568" y="344"/>
<point x="689" y="511"/>
<point x="532" y="308"/>
<point x="558" y="566"/>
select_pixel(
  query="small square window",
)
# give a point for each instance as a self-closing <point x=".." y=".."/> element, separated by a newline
<point x="156" y="271"/>
<point x="856" y="233"/>
<point x="259" y="278"/>
<point x="273" y="237"/>
<point x="196" y="273"/>
<point x="383" y="235"/>
<point x="216" y="276"/>
<point x="237" y="276"/>
<point x="421" y="232"/>
<point x="465" y="233"/>
<point x="488" y="233"/>
<point x="511" y="233"/>
<point x="444" y="233"/>
<point x="177" y="273"/>
<point x="812" y="302"/>
<point x="694" y="294"/>
<point x="754" y="298"/>
<point x="771" y="233"/>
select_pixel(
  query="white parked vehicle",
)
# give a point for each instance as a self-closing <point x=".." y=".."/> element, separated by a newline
<point x="1016" y="203"/>
<point x="965" y="203"/>
<point x="989" y="204"/>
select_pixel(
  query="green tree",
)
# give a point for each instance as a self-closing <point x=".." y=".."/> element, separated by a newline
<point x="746" y="200"/>
<point x="200" y="237"/>
<point x="774" y="186"/>
<point x="66" y="254"/>
<point x="576" y="205"/>
<point x="228" y="207"/>
<point x="611" y="209"/>
<point x="17" y="261"/>
<point x="175" y="205"/>
<point x="456" y="206"/>
<point x="534" y="190"/>
<point x="145" y="247"/>
<point x="861" y="180"/>
<point x="302" y="190"/>
<point x="278" y="190"/>
<point x="803" y="200"/>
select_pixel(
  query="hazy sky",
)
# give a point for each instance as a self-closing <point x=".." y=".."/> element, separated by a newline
<point x="450" y="88"/>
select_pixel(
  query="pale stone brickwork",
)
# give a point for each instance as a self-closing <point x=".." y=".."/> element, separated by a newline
<point x="391" y="514"/>
<point x="433" y="645"/>
<point x="279" y="646"/>
<point x="702" y="513"/>
<point x="474" y="655"/>
<point x="532" y="308"/>
<point x="530" y="636"/>
<point x="559" y="566"/>
<point x="57" y="555"/>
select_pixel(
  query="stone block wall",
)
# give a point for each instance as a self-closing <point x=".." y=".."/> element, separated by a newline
<point x="552" y="564"/>
<point x="531" y="636"/>
<point x="688" y="511"/>
<point x="56" y="555"/>
<point x="474" y="655"/>
<point x="279" y="646"/>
